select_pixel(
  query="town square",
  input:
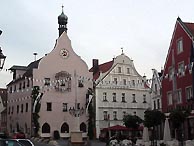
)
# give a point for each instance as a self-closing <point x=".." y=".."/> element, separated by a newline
<point x="97" y="73"/>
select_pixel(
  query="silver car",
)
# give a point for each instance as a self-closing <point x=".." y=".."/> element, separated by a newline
<point x="25" y="142"/>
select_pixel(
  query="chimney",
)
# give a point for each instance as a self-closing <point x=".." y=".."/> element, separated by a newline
<point x="95" y="65"/>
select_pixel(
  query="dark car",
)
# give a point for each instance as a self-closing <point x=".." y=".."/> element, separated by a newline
<point x="3" y="135"/>
<point x="9" y="142"/>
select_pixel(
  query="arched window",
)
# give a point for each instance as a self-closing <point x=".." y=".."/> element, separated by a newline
<point x="46" y="128"/>
<point x="83" y="127"/>
<point x="65" y="128"/>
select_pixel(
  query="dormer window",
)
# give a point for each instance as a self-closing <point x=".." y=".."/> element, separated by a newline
<point x="179" y="46"/>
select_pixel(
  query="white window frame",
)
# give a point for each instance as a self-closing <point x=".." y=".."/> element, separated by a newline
<point x="181" y="69"/>
<point x="179" y="96"/>
<point x="179" y="45"/>
<point x="115" y="115"/>
<point x="188" y="92"/>
<point x="169" y="96"/>
<point x="104" y="95"/>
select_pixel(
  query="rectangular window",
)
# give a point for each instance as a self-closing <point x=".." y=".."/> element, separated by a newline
<point x="119" y="69"/>
<point x="114" y="97"/>
<point x="144" y="99"/>
<point x="24" y="85"/>
<point x="179" y="46"/>
<point x="22" y="108"/>
<point x="189" y="93"/>
<point x="179" y="96"/>
<point x="12" y="110"/>
<point x="105" y="113"/>
<point x="114" y="115"/>
<point x="20" y="86"/>
<point x="154" y="104"/>
<point x="10" y="89"/>
<point x="133" y="98"/>
<point x="158" y="102"/>
<point x="49" y="106"/>
<point x="123" y="97"/>
<point x="115" y="81"/>
<point x="181" y="69"/>
<point x="124" y="114"/>
<point x="47" y="81"/>
<point x="64" y="107"/>
<point x="124" y="82"/>
<point x="170" y="72"/>
<point x="28" y="82"/>
<point x="169" y="95"/>
<point x="14" y="88"/>
<point x="133" y="82"/>
<point x="78" y="105"/>
<point x="26" y="107"/>
<point x="128" y="70"/>
<point x="104" y="96"/>
<point x="156" y="88"/>
<point x="17" y="109"/>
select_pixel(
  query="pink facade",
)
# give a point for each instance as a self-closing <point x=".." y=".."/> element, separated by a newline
<point x="63" y="78"/>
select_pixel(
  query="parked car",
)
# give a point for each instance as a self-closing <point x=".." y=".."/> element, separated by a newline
<point x="9" y="142"/>
<point x="3" y="135"/>
<point x="25" y="142"/>
<point x="18" y="135"/>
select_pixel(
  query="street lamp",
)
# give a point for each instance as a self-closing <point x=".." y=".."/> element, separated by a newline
<point x="2" y="57"/>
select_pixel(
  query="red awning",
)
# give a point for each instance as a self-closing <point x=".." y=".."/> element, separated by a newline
<point x="120" y="128"/>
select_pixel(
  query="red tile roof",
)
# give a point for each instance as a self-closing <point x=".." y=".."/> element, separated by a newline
<point x="102" y="68"/>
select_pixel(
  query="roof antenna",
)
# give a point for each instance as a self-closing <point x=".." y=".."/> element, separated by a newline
<point x="35" y="56"/>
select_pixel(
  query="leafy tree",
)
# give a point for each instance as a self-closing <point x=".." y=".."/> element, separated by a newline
<point x="90" y="122"/>
<point x="35" y="115"/>
<point x="177" y="117"/>
<point x="132" y="121"/>
<point x="153" y="118"/>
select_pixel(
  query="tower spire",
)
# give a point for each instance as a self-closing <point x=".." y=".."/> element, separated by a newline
<point x="62" y="21"/>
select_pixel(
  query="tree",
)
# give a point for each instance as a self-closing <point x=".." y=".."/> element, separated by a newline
<point x="132" y="121"/>
<point x="177" y="117"/>
<point x="153" y="118"/>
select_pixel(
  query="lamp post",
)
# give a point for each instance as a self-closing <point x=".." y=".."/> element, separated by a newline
<point x="2" y="57"/>
<point x="76" y="112"/>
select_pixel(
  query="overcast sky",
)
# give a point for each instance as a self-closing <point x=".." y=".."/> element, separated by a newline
<point x="97" y="29"/>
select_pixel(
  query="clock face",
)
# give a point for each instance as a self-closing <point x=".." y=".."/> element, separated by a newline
<point x="64" y="53"/>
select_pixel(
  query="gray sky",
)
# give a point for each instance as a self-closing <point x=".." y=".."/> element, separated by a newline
<point x="97" y="29"/>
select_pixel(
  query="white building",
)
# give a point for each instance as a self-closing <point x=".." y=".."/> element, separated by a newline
<point x="63" y="80"/>
<point x="156" y="90"/>
<point x="119" y="90"/>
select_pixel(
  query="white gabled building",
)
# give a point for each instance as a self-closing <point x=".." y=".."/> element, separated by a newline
<point x="119" y="90"/>
<point x="156" y="90"/>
